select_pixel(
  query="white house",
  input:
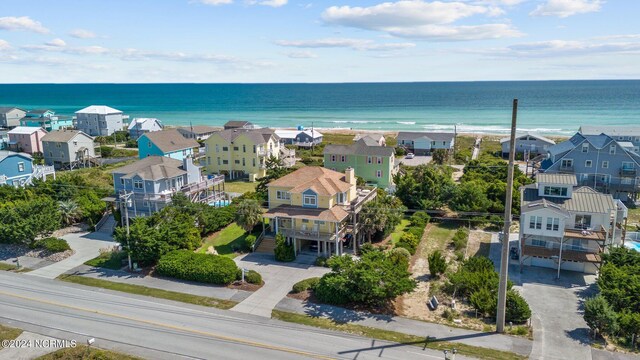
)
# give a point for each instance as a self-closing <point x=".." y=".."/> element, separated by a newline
<point x="99" y="120"/>
<point x="531" y="144"/>
<point x="563" y="226"/>
<point x="423" y="143"/>
<point x="140" y="126"/>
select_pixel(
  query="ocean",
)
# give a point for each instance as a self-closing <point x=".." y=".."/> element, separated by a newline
<point x="547" y="107"/>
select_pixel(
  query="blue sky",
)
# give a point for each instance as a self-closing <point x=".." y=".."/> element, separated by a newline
<point x="317" y="41"/>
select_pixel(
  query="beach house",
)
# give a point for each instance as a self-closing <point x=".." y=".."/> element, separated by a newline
<point x="565" y="226"/>
<point x="423" y="143"/>
<point x="598" y="161"/>
<point x="69" y="149"/>
<point x="529" y="145"/>
<point x="628" y="136"/>
<point x="148" y="185"/>
<point x="242" y="153"/>
<point x="17" y="169"/>
<point x="169" y="143"/>
<point x="46" y="119"/>
<point x="372" y="162"/>
<point x="378" y="138"/>
<point x="10" y="116"/>
<point x="26" y="139"/>
<point x="99" y="120"/>
<point x="139" y="126"/>
<point x="238" y="124"/>
<point x="4" y="139"/>
<point x="315" y="209"/>
<point x="198" y="132"/>
<point x="301" y="138"/>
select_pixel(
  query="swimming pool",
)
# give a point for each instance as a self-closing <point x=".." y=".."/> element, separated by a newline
<point x="220" y="203"/>
<point x="633" y="245"/>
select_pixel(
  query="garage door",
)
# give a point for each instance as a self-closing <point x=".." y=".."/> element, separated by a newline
<point x="573" y="266"/>
<point x="542" y="262"/>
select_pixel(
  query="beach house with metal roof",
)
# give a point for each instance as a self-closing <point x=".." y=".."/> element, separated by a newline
<point x="423" y="143"/>
<point x="530" y="144"/>
<point x="99" y="120"/>
<point x="69" y="149"/>
<point x="148" y="185"/>
<point x="624" y="134"/>
<point x="565" y="226"/>
<point x="139" y="126"/>
<point x="169" y="143"/>
<point x="372" y="162"/>
<point x="10" y="116"/>
<point x="46" y="119"/>
<point x="26" y="139"/>
<point x="316" y="209"/>
<point x="598" y="161"/>
<point x="378" y="138"/>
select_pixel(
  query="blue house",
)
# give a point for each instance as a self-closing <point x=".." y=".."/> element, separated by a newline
<point x="169" y="143"/>
<point x="46" y="119"/>
<point x="15" y="168"/>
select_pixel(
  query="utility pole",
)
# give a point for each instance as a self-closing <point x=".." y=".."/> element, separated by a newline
<point x="504" y="258"/>
<point x="124" y="203"/>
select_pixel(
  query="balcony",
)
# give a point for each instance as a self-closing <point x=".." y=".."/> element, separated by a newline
<point x="579" y="256"/>
<point x="311" y="234"/>
<point x="569" y="168"/>
<point x="630" y="172"/>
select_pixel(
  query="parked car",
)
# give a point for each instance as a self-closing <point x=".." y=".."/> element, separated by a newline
<point x="410" y="156"/>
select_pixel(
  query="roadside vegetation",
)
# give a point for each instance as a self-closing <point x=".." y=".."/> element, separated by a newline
<point x="85" y="353"/>
<point x="8" y="333"/>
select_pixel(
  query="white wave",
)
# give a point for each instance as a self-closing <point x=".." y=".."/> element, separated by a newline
<point x="355" y="122"/>
<point x="406" y="122"/>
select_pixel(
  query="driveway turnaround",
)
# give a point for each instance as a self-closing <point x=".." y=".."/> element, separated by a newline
<point x="278" y="279"/>
<point x="86" y="247"/>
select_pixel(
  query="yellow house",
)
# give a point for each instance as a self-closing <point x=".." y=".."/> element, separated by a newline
<point x="316" y="209"/>
<point x="241" y="153"/>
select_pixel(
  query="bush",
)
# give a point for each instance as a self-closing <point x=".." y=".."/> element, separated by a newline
<point x="187" y="265"/>
<point x="399" y="254"/>
<point x="284" y="252"/>
<point x="253" y="277"/>
<point x="304" y="285"/>
<point x="249" y="241"/>
<point x="484" y="301"/>
<point x="460" y="238"/>
<point x="599" y="315"/>
<point x="51" y="244"/>
<point x="420" y="218"/>
<point x="408" y="241"/>
<point x="517" y="309"/>
<point x="437" y="264"/>
<point x="400" y="151"/>
<point x="131" y="144"/>
<point x="321" y="261"/>
<point x="106" y="151"/>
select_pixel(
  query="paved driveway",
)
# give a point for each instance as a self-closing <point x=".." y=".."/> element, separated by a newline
<point x="417" y="160"/>
<point x="86" y="246"/>
<point x="278" y="279"/>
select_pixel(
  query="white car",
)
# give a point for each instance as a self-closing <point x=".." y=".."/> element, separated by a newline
<point x="410" y="156"/>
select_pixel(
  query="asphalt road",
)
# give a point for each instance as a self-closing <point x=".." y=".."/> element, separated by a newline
<point x="159" y="329"/>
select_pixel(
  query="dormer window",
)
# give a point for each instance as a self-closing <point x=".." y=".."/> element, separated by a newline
<point x="612" y="150"/>
<point x="310" y="200"/>
<point x="555" y="191"/>
<point x="585" y="148"/>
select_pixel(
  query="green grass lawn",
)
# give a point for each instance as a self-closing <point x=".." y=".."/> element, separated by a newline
<point x="147" y="291"/>
<point x="108" y="260"/>
<point x="225" y="240"/>
<point x="6" y="267"/>
<point x="490" y="147"/>
<point x="464" y="148"/>
<point x="85" y="353"/>
<point x="8" y="333"/>
<point x="399" y="230"/>
<point x="340" y="139"/>
<point x="375" y="333"/>
<point x="240" y="186"/>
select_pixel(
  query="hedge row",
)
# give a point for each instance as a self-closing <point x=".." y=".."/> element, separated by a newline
<point x="187" y="265"/>
<point x="413" y="233"/>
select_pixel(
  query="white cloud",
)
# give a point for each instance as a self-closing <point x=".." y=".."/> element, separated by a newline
<point x="56" y="43"/>
<point x="216" y="2"/>
<point x="302" y="55"/>
<point x="273" y="3"/>
<point x="23" y="23"/>
<point x="499" y="2"/>
<point x="355" y="44"/>
<point x="4" y="45"/>
<point x="422" y="20"/>
<point x="566" y="8"/>
<point x="572" y="48"/>
<point x="82" y="34"/>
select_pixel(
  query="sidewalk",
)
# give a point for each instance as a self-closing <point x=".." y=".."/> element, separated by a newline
<point x="490" y="340"/>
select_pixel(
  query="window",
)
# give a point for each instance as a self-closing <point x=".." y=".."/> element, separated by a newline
<point x="444" y="143"/>
<point x="605" y="164"/>
<point x="243" y="162"/>
<point x="555" y="191"/>
<point x="583" y="221"/>
<point x="224" y="148"/>
<point x="553" y="224"/>
<point x="218" y="161"/>
<point x="254" y="162"/>
<point x="122" y="181"/>
<point x="225" y="162"/>
<point x="343" y="158"/>
<point x="75" y="143"/>
<point x="585" y="148"/>
<point x="333" y="158"/>
<point x="244" y="148"/>
<point x="309" y="200"/>
<point x="535" y="222"/>
<point x="379" y="160"/>
<point x="237" y="162"/>
<point x="184" y="153"/>
<point x="148" y="144"/>
<point x="369" y="161"/>
<point x="378" y="173"/>
<point x="145" y="204"/>
<point x="341" y="198"/>
<point x="283" y="195"/>
<point x="254" y="149"/>
<point x="137" y="184"/>
<point x="217" y="148"/>
<point x="58" y="145"/>
<point x="20" y="166"/>
<point x="536" y="242"/>
<point x="566" y="163"/>
<point x="588" y="163"/>
<point x="235" y="148"/>
<point x="612" y="150"/>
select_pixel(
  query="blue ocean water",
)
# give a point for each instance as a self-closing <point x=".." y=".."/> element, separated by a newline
<point x="549" y="107"/>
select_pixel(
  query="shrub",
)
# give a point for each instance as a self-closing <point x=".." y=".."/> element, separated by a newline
<point x="51" y="244"/>
<point x="187" y="265"/>
<point x="321" y="261"/>
<point x="420" y="218"/>
<point x="106" y="151"/>
<point x="400" y="151"/>
<point x="284" y="252"/>
<point x="460" y="238"/>
<point x="484" y="301"/>
<point x="399" y="254"/>
<point x="253" y="277"/>
<point x="249" y="241"/>
<point x="517" y="309"/>
<point x="408" y="241"/>
<point x="306" y="284"/>
<point x="437" y="263"/>
<point x="599" y="315"/>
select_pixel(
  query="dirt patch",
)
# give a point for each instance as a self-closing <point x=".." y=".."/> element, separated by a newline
<point x="479" y="244"/>
<point x="245" y="286"/>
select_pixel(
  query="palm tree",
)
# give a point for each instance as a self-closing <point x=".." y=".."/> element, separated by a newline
<point x="249" y="214"/>
<point x="69" y="211"/>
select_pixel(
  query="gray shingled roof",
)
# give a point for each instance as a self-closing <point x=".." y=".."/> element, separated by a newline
<point x="539" y="137"/>
<point x="359" y="148"/>
<point x="583" y="199"/>
<point x="63" y="135"/>
<point x="6" y="109"/>
<point x="152" y="168"/>
<point x="562" y="179"/>
<point x="199" y="129"/>
<point x="171" y="140"/>
<point x="257" y="136"/>
<point x="237" y="123"/>
<point x="434" y="136"/>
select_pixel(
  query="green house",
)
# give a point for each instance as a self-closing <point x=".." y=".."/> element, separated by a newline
<point x="372" y="162"/>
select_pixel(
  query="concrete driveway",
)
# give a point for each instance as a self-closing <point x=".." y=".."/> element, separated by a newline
<point x="278" y="279"/>
<point x="417" y="160"/>
<point x="86" y="246"/>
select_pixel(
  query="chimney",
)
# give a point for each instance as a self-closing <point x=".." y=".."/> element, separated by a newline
<point x="350" y="175"/>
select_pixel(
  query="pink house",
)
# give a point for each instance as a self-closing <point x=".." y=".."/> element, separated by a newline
<point x="26" y="139"/>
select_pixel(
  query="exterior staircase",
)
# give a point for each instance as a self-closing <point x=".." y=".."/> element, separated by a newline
<point x="267" y="245"/>
<point x="107" y="224"/>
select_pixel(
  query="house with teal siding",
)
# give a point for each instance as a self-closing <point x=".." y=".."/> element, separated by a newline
<point x="372" y="162"/>
<point x="46" y="119"/>
<point x="169" y="143"/>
